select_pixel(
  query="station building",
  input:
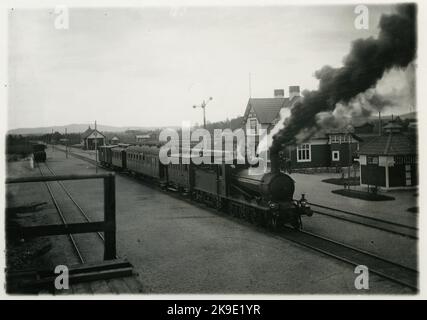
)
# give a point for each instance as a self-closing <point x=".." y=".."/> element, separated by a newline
<point x="264" y="113"/>
<point x="89" y="137"/>
<point x="389" y="161"/>
<point x="333" y="149"/>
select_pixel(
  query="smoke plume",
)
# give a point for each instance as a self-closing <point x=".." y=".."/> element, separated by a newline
<point x="395" y="90"/>
<point x="348" y="86"/>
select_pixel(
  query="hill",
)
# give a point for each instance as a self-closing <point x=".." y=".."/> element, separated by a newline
<point x="74" y="128"/>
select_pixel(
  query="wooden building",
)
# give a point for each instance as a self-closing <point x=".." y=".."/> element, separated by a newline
<point x="389" y="161"/>
<point x="264" y="113"/>
<point x="89" y="137"/>
<point x="336" y="149"/>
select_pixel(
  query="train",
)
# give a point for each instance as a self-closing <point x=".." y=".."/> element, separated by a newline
<point x="265" y="198"/>
<point x="38" y="151"/>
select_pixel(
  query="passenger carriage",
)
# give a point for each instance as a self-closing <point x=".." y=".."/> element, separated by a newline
<point x="144" y="160"/>
<point x="179" y="174"/>
<point x="105" y="155"/>
<point x="118" y="157"/>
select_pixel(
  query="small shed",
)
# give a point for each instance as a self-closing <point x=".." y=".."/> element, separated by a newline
<point x="389" y="161"/>
<point x="91" y="138"/>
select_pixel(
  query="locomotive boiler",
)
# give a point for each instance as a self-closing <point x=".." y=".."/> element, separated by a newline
<point x="274" y="190"/>
<point x="271" y="186"/>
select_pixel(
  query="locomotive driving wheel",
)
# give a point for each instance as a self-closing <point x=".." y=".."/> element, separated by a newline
<point x="297" y="223"/>
<point x="274" y="222"/>
<point x="218" y="204"/>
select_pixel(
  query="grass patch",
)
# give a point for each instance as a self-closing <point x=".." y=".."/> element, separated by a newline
<point x="363" y="195"/>
<point x="345" y="181"/>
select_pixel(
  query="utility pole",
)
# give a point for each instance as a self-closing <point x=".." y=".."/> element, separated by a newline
<point x="51" y="140"/>
<point x="66" y="144"/>
<point x="96" y="149"/>
<point x="250" y="85"/>
<point x="350" y="162"/>
<point x="203" y="106"/>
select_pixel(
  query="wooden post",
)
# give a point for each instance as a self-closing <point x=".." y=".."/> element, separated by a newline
<point x="110" y="217"/>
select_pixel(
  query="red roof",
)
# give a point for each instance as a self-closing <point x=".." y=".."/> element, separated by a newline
<point x="391" y="144"/>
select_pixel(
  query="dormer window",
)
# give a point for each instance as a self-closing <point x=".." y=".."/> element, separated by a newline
<point x="253" y="125"/>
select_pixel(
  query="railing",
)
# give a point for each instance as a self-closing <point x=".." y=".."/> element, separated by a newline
<point x="108" y="226"/>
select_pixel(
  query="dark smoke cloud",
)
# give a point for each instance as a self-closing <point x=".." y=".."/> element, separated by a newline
<point x="366" y="63"/>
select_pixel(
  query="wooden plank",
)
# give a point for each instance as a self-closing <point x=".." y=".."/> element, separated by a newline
<point x="110" y="218"/>
<point x="59" y="178"/>
<point x="58" y="229"/>
<point x="82" y="277"/>
<point x="102" y="265"/>
<point x="31" y="274"/>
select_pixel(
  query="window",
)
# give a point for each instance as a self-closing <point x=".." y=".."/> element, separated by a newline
<point x="304" y="153"/>
<point x="253" y="123"/>
<point x="334" y="139"/>
<point x="372" y="160"/>
<point x="335" y="156"/>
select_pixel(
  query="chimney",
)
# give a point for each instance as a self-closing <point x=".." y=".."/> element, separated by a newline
<point x="293" y="92"/>
<point x="279" y="93"/>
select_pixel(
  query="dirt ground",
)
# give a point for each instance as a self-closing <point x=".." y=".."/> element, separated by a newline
<point x="321" y="193"/>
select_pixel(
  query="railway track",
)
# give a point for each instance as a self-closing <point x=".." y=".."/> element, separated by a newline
<point x="390" y="270"/>
<point x="71" y="212"/>
<point x="371" y="222"/>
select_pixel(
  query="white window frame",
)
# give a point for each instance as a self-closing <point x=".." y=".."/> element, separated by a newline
<point x="335" y="152"/>
<point x="335" y="138"/>
<point x="255" y="129"/>
<point x="303" y="147"/>
<point x="372" y="160"/>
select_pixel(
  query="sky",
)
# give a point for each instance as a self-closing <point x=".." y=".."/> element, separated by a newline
<point x="149" y="66"/>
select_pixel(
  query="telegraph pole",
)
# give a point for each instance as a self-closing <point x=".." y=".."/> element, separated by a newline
<point x="203" y="106"/>
<point x="250" y="85"/>
<point x="66" y="144"/>
<point x="96" y="149"/>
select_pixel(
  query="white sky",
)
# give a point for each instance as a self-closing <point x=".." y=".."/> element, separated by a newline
<point x="149" y="66"/>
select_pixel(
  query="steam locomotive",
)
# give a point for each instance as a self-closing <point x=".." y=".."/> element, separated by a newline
<point x="264" y="198"/>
